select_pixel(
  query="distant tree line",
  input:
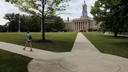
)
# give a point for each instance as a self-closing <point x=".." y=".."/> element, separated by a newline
<point x="3" y="28"/>
<point x="31" y="23"/>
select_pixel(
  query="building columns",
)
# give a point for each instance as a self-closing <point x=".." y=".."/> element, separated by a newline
<point x="87" y="25"/>
<point x="80" y="25"/>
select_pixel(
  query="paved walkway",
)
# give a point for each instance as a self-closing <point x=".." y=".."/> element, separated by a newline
<point x="83" y="58"/>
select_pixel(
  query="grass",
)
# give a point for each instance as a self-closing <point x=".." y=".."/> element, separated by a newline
<point x="109" y="44"/>
<point x="57" y="42"/>
<point x="10" y="62"/>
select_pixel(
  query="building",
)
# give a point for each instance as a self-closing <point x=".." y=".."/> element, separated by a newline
<point x="84" y="23"/>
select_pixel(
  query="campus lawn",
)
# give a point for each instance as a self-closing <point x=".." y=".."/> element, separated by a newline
<point x="10" y="62"/>
<point x="57" y="42"/>
<point x="109" y="44"/>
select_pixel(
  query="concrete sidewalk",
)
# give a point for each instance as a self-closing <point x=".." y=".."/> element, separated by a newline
<point x="35" y="54"/>
<point x="82" y="44"/>
<point x="86" y="58"/>
<point x="83" y="58"/>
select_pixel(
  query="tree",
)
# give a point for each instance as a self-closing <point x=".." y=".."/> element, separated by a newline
<point x="54" y="24"/>
<point x="3" y="28"/>
<point x="41" y="8"/>
<point x="32" y="23"/>
<point x="112" y="15"/>
<point x="13" y="22"/>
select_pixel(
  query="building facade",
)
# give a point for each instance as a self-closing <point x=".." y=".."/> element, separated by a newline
<point x="84" y="23"/>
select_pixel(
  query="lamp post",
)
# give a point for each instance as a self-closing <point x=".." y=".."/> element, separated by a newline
<point x="19" y="24"/>
<point x="7" y="26"/>
<point x="41" y="25"/>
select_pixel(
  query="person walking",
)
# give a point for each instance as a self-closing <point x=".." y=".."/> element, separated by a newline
<point x="28" y="41"/>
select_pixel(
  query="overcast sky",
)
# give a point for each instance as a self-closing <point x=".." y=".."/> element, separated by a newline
<point x="74" y="10"/>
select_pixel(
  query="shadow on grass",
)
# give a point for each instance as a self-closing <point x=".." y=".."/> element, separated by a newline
<point x="121" y="44"/>
<point x="53" y="45"/>
<point x="43" y="41"/>
<point x="112" y="37"/>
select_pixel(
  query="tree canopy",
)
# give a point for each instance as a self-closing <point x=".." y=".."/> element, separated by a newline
<point x="3" y="28"/>
<point x="35" y="6"/>
<point x="32" y="23"/>
<point x="112" y="15"/>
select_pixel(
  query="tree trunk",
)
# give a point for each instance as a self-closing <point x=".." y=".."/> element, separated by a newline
<point x="115" y="34"/>
<point x="43" y="20"/>
<point x="43" y="30"/>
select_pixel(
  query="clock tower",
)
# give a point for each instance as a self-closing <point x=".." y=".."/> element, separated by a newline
<point x="84" y="11"/>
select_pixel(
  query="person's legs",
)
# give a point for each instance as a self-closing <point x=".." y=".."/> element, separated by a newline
<point x="25" y="45"/>
<point x="30" y="45"/>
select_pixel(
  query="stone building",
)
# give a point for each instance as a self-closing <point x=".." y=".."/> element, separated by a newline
<point x="84" y="23"/>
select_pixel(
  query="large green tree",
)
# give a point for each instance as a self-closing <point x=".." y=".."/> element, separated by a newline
<point x="41" y="8"/>
<point x="112" y="15"/>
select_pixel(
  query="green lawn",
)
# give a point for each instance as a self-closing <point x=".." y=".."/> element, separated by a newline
<point x="10" y="62"/>
<point x="57" y="42"/>
<point x="109" y="44"/>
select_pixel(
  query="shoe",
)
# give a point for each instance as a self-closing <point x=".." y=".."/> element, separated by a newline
<point x="24" y="49"/>
<point x="31" y="50"/>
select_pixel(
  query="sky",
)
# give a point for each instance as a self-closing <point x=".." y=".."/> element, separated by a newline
<point x="74" y="10"/>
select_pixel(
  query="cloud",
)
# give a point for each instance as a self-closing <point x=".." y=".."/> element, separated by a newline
<point x="7" y="8"/>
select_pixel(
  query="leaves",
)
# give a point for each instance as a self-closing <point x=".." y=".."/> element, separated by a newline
<point x="35" y="6"/>
<point x="111" y="14"/>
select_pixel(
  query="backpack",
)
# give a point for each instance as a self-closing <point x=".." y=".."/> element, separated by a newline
<point x="30" y="37"/>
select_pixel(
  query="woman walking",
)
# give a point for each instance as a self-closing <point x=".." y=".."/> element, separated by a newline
<point x="28" y="41"/>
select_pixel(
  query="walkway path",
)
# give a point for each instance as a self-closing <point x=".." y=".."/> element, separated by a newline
<point x="83" y="58"/>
